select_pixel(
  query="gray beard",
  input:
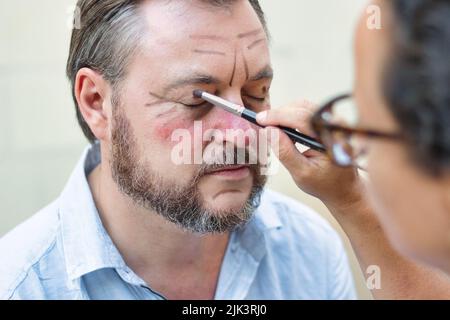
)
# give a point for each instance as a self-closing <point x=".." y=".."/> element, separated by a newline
<point x="182" y="206"/>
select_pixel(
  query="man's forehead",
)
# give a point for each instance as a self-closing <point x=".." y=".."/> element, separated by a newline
<point x="240" y="35"/>
<point x="252" y="39"/>
<point x="228" y="53"/>
<point x="210" y="44"/>
<point x="188" y="20"/>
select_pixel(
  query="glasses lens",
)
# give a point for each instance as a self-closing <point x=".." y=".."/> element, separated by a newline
<point x="346" y="148"/>
<point x="344" y="113"/>
<point x="349" y="149"/>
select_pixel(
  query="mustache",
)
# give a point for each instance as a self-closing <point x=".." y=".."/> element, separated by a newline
<point x="214" y="168"/>
<point x="230" y="161"/>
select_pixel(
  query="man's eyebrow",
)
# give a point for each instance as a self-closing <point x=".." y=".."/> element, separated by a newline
<point x="198" y="78"/>
<point x="265" y="73"/>
<point x="250" y="33"/>
<point x="191" y="80"/>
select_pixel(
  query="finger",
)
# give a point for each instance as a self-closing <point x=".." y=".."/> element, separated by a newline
<point x="296" y="116"/>
<point x="285" y="150"/>
<point x="311" y="153"/>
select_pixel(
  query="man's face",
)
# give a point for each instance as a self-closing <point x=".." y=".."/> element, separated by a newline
<point x="190" y="45"/>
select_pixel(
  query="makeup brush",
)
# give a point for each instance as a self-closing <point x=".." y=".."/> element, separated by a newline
<point x="249" y="115"/>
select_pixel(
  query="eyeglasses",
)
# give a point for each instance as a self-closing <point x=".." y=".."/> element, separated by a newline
<point x="335" y="125"/>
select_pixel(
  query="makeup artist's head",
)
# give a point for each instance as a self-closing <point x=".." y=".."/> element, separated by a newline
<point x="402" y="86"/>
<point x="134" y="65"/>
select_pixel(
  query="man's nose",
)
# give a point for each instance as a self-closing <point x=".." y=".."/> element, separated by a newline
<point x="233" y="129"/>
<point x="223" y="120"/>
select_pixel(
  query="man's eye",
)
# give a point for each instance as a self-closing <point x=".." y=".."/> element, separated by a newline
<point x="201" y="104"/>
<point x="259" y="99"/>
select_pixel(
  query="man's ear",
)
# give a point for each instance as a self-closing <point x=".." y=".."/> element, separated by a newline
<point x="446" y="187"/>
<point x="91" y="91"/>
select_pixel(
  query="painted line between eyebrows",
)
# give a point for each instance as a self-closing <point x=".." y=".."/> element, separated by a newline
<point x="234" y="68"/>
<point x="247" y="72"/>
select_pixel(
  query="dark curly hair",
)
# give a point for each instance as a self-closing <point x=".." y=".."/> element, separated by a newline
<point x="417" y="79"/>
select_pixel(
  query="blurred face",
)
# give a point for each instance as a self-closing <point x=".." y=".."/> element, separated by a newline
<point x="191" y="46"/>
<point x="413" y="206"/>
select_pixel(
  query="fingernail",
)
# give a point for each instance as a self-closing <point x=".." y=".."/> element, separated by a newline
<point x="261" y="116"/>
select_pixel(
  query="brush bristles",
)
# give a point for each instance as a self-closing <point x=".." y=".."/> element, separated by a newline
<point x="198" y="94"/>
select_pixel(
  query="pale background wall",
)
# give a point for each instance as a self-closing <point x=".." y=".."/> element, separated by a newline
<point x="40" y="141"/>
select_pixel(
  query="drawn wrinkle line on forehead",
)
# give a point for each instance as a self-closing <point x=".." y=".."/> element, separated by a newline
<point x="256" y="43"/>
<point x="249" y="34"/>
<point x="224" y="39"/>
<point x="209" y="37"/>
<point x="243" y="35"/>
<point x="211" y="52"/>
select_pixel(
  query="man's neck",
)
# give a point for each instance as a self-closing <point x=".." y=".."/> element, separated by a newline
<point x="173" y="262"/>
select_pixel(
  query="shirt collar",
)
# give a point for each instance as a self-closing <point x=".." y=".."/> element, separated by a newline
<point x="267" y="216"/>
<point x="246" y="250"/>
<point x="251" y="237"/>
<point x="87" y="245"/>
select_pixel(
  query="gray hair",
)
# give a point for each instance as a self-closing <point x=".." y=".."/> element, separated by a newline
<point x="106" y="37"/>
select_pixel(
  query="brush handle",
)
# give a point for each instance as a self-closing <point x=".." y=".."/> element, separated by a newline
<point x="294" y="135"/>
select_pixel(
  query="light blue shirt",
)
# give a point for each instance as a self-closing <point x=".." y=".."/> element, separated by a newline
<point x="286" y="251"/>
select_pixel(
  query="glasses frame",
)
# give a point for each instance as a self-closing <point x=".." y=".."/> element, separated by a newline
<point x="321" y="127"/>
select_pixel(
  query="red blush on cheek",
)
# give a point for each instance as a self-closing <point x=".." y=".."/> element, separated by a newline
<point x="163" y="130"/>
